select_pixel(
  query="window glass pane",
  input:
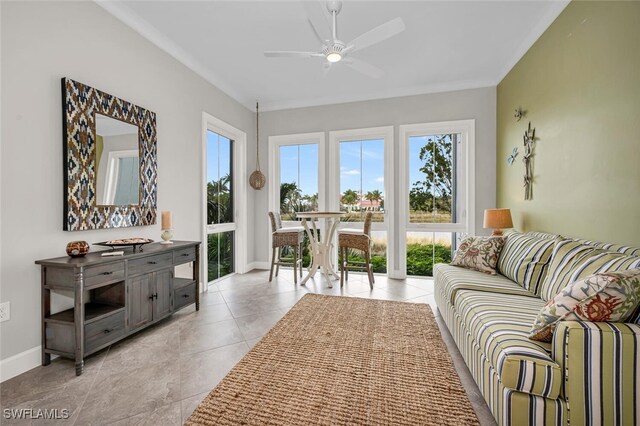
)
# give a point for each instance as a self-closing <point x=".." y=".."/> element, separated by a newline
<point x="219" y="179"/>
<point x="362" y="179"/>
<point x="424" y="249"/>
<point x="432" y="178"/>
<point x="298" y="179"/>
<point x="220" y="254"/>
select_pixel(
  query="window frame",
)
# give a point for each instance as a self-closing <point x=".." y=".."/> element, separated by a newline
<point x="386" y="133"/>
<point x="466" y="129"/>
<point x="240" y="196"/>
<point x="275" y="142"/>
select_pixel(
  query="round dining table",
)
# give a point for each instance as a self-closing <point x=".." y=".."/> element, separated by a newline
<point x="321" y="245"/>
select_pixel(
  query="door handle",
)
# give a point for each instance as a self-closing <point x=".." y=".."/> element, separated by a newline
<point x="107" y="273"/>
<point x="186" y="296"/>
<point x="152" y="262"/>
<point x="185" y="254"/>
<point x="107" y="331"/>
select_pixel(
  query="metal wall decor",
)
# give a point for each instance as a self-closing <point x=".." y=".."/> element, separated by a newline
<point x="529" y="141"/>
<point x="80" y="104"/>
<point x="519" y="114"/>
<point x="512" y="157"/>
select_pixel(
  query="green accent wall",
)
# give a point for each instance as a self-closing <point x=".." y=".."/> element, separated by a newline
<point x="580" y="87"/>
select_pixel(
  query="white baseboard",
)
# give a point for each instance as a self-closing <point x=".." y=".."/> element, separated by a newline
<point x="258" y="265"/>
<point x="19" y="363"/>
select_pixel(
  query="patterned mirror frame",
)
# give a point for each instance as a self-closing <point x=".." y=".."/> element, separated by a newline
<point x="80" y="104"/>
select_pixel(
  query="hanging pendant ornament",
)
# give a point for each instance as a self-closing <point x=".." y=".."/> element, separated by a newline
<point x="257" y="179"/>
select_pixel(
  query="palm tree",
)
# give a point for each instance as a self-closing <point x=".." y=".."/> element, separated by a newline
<point x="290" y="196"/>
<point x="219" y="200"/>
<point x="349" y="198"/>
<point x="373" y="196"/>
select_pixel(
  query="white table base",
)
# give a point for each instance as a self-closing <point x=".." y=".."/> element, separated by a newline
<point x="321" y="249"/>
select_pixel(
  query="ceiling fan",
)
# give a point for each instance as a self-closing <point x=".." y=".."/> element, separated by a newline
<point x="335" y="50"/>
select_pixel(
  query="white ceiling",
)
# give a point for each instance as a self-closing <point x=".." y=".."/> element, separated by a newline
<point x="448" y="45"/>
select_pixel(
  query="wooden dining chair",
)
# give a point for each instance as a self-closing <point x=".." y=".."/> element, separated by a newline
<point x="285" y="237"/>
<point x="356" y="239"/>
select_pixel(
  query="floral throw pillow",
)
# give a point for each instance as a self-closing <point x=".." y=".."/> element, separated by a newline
<point x="607" y="296"/>
<point x="479" y="253"/>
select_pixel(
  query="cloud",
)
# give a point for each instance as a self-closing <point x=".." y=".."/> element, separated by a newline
<point x="380" y="179"/>
<point x="352" y="172"/>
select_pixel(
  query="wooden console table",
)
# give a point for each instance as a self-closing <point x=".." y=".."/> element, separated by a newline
<point x="114" y="296"/>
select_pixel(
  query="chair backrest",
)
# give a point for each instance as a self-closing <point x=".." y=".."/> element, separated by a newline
<point x="276" y="221"/>
<point x="367" y="223"/>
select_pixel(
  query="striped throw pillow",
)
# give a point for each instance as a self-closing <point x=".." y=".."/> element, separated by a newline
<point x="524" y="259"/>
<point x="572" y="260"/>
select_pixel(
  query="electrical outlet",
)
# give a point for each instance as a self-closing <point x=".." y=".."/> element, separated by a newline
<point x="5" y="311"/>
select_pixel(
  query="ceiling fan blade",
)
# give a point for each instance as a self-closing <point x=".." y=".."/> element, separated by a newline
<point x="363" y="67"/>
<point x="317" y="18"/>
<point x="376" y="35"/>
<point x="290" y="54"/>
<point x="327" y="68"/>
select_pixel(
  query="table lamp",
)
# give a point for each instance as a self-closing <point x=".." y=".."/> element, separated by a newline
<point x="498" y="219"/>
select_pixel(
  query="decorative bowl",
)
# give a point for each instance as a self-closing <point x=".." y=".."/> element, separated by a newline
<point x="77" y="248"/>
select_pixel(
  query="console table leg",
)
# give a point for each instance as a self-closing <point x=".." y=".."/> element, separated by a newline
<point x="79" y="367"/>
<point x="46" y="358"/>
<point x="196" y="276"/>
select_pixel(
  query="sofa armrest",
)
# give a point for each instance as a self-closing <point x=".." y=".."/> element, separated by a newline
<point x="601" y="368"/>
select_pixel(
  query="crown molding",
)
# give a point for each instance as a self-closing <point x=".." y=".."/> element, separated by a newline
<point x="557" y="6"/>
<point x="123" y="13"/>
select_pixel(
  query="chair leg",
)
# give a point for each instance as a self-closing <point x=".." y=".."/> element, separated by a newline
<point x="273" y="261"/>
<point x="341" y="262"/>
<point x="369" y="268"/>
<point x="278" y="264"/>
<point x="346" y="264"/>
<point x="300" y="248"/>
<point x="295" y="264"/>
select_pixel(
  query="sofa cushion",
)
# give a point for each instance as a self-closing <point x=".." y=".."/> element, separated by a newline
<point x="479" y="253"/>
<point x="451" y="279"/>
<point x="525" y="258"/>
<point x="500" y="325"/>
<point x="572" y="260"/>
<point x="609" y="296"/>
<point x="617" y="248"/>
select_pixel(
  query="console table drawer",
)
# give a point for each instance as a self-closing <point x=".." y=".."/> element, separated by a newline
<point x="184" y="296"/>
<point x="103" y="331"/>
<point x="101" y="274"/>
<point x="150" y="263"/>
<point x="184" y="256"/>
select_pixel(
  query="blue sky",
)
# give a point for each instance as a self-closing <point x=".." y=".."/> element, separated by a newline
<point x="218" y="156"/>
<point x="361" y="165"/>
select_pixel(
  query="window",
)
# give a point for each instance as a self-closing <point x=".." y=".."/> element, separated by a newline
<point x="436" y="163"/>
<point x="298" y="179"/>
<point x="224" y="199"/>
<point x="296" y="168"/>
<point x="361" y="171"/>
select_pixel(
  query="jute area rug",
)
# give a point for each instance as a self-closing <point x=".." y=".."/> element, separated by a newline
<point x="343" y="361"/>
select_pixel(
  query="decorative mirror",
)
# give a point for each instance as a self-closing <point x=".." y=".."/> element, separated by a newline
<point x="110" y="163"/>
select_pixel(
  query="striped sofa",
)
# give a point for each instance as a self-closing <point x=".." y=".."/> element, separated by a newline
<point x="590" y="372"/>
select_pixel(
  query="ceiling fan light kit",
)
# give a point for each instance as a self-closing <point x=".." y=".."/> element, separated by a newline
<point x="334" y="50"/>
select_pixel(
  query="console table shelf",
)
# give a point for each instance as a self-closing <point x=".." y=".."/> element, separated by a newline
<point x="114" y="297"/>
<point x="92" y="312"/>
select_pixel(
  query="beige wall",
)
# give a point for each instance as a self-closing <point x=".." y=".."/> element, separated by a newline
<point x="42" y="42"/>
<point x="580" y="86"/>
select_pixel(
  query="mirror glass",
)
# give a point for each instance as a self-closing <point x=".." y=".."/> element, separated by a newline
<point x="117" y="165"/>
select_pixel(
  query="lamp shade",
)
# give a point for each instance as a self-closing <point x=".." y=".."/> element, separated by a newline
<point x="497" y="218"/>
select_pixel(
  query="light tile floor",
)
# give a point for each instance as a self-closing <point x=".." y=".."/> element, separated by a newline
<point x="159" y="375"/>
